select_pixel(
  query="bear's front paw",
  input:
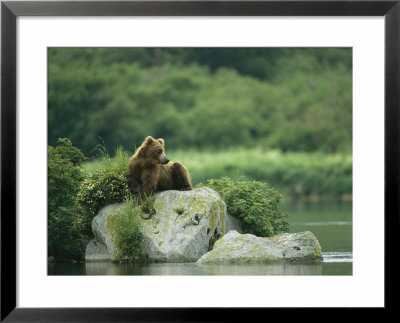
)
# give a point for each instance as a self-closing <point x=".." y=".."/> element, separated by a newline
<point x="186" y="189"/>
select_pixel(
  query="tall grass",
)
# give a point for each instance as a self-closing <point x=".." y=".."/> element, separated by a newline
<point x="291" y="174"/>
<point x="125" y="228"/>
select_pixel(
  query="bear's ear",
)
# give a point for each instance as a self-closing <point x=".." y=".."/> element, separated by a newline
<point x="149" y="140"/>
<point x="161" y="141"/>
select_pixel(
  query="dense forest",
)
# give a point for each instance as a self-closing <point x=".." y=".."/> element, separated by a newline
<point x="290" y="99"/>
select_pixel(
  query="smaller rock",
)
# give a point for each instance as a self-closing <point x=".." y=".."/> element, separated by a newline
<point x="247" y="248"/>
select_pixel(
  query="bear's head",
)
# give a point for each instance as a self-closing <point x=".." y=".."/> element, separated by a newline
<point x="153" y="150"/>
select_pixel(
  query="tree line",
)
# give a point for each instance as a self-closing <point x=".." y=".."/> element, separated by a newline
<point x="292" y="99"/>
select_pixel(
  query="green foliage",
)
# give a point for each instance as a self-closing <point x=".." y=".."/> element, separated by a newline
<point x="64" y="178"/>
<point x="104" y="186"/>
<point x="292" y="99"/>
<point x="253" y="202"/>
<point x="125" y="227"/>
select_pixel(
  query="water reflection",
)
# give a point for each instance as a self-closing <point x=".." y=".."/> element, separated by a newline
<point x="101" y="268"/>
<point x="235" y="269"/>
<point x="183" y="269"/>
<point x="334" y="263"/>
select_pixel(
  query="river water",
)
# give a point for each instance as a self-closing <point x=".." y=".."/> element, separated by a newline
<point x="331" y="223"/>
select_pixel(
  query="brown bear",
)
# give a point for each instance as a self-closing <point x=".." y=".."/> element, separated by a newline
<point x="149" y="170"/>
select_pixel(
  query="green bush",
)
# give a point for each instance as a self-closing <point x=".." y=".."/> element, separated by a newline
<point x="64" y="178"/>
<point x="125" y="228"/>
<point x="105" y="185"/>
<point x="256" y="204"/>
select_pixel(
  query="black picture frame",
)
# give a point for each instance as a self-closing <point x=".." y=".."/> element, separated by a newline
<point x="10" y="10"/>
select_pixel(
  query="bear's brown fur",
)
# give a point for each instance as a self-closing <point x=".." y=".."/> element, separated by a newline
<point x="149" y="170"/>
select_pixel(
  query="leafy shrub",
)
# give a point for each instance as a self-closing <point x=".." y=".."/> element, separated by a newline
<point x="105" y="185"/>
<point x="256" y="204"/>
<point x="64" y="178"/>
<point x="124" y="225"/>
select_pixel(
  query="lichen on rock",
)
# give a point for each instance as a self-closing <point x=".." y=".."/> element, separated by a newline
<point x="182" y="228"/>
<point x="247" y="248"/>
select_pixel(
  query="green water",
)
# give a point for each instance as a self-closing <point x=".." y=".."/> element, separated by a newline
<point x="331" y="223"/>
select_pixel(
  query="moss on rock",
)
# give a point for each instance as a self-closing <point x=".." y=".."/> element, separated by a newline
<point x="247" y="248"/>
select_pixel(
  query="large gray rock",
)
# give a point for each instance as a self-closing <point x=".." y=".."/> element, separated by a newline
<point x="247" y="248"/>
<point x="186" y="224"/>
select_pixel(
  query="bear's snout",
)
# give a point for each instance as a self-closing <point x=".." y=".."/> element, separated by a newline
<point x="167" y="161"/>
